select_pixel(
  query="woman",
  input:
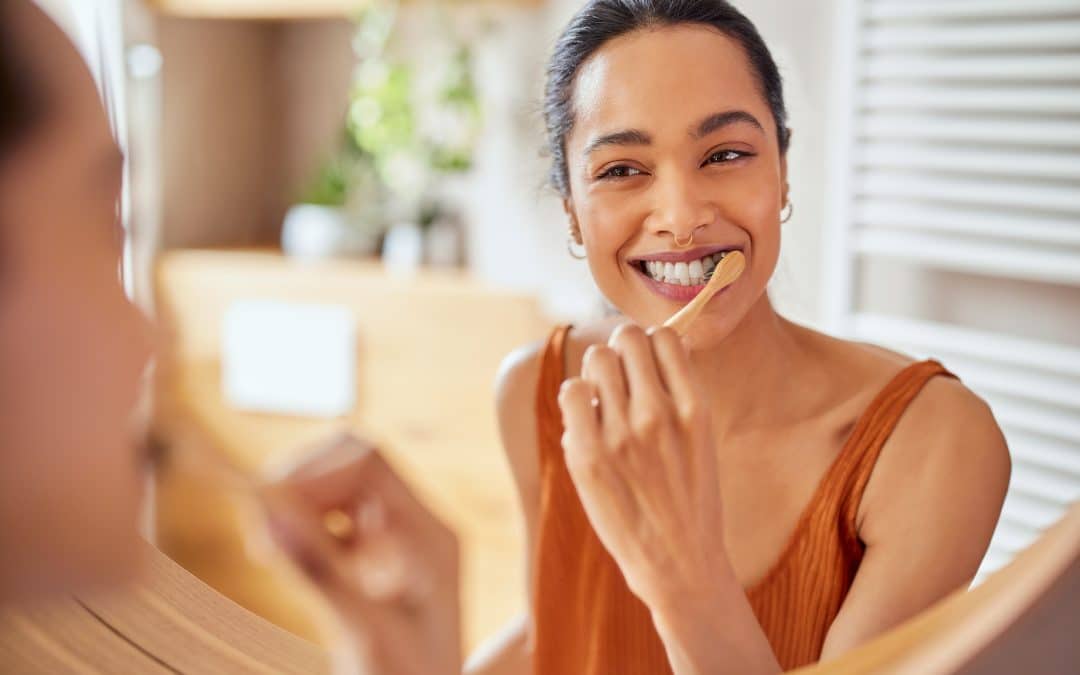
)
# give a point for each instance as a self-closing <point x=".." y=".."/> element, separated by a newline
<point x="72" y="351"/>
<point x="756" y="496"/>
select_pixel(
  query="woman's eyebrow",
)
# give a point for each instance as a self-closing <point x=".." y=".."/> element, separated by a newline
<point x="626" y="137"/>
<point x="703" y="128"/>
<point x="724" y="119"/>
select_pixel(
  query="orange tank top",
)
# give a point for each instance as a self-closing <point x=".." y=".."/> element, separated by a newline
<point x="587" y="620"/>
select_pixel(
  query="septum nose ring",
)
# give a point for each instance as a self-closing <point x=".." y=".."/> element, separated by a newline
<point x="683" y="244"/>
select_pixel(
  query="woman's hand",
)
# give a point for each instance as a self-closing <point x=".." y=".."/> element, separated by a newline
<point x="640" y="452"/>
<point x="384" y="563"/>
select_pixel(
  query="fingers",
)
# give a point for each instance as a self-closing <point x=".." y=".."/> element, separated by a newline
<point x="299" y="533"/>
<point x="349" y="505"/>
<point x="674" y="366"/>
<point x="378" y="567"/>
<point x="634" y="347"/>
<point x="603" y="368"/>
<point x="580" y="416"/>
<point x="599" y="482"/>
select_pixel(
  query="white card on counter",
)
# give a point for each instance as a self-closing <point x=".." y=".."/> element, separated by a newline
<point x="287" y="358"/>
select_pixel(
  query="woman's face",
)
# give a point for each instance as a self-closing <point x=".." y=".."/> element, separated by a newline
<point x="72" y="348"/>
<point x="672" y="137"/>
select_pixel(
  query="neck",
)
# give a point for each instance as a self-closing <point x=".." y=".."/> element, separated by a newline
<point x="748" y="375"/>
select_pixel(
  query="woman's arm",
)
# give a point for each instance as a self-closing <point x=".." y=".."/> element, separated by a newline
<point x="510" y="651"/>
<point x="927" y="514"/>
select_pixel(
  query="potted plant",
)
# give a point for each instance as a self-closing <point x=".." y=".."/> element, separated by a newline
<point x="407" y="129"/>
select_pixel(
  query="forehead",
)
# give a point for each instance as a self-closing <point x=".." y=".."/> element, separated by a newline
<point x="654" y="79"/>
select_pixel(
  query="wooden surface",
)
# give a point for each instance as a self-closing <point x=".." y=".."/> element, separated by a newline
<point x="428" y="352"/>
<point x="1027" y="613"/>
<point x="168" y="622"/>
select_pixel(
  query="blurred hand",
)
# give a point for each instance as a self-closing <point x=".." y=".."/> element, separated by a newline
<point x="386" y="565"/>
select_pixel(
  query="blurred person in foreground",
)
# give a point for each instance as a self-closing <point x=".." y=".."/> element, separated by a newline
<point x="72" y="352"/>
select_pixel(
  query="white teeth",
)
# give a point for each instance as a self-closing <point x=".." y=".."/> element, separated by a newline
<point x="697" y="273"/>
<point x="682" y="272"/>
<point x="693" y="273"/>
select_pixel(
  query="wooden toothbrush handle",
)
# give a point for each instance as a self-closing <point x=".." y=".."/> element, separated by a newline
<point x="726" y="273"/>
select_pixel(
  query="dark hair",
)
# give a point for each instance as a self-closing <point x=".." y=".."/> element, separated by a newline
<point x="602" y="20"/>
<point x="20" y="102"/>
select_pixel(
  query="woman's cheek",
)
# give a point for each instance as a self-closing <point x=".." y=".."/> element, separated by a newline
<point x="756" y="210"/>
<point x="607" y="227"/>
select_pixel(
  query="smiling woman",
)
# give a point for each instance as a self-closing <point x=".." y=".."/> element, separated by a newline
<point x="754" y="496"/>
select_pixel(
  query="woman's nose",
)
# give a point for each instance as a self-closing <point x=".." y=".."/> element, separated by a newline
<point x="678" y="210"/>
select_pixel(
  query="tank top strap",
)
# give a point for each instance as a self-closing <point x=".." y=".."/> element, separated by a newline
<point x="552" y="374"/>
<point x="852" y="469"/>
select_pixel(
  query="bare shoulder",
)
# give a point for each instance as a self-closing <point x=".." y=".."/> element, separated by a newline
<point x="518" y="377"/>
<point x="946" y="462"/>
<point x="515" y="398"/>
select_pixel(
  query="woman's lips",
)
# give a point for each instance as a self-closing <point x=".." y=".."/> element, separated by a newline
<point x="687" y="255"/>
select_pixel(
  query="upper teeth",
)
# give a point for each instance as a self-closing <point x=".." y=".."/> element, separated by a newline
<point x="693" y="273"/>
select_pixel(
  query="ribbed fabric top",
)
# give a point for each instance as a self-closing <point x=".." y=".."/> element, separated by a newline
<point x="589" y="622"/>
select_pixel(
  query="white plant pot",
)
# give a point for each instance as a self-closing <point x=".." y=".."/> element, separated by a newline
<point x="403" y="250"/>
<point x="316" y="231"/>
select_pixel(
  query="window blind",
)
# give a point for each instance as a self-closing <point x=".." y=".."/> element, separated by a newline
<point x="959" y="129"/>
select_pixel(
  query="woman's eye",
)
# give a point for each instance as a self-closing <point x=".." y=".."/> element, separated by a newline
<point x="724" y="156"/>
<point x="620" y="172"/>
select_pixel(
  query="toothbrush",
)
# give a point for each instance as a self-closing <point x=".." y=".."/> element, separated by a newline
<point x="725" y="274"/>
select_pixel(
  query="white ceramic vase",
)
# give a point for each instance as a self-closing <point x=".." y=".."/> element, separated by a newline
<point x="317" y="231"/>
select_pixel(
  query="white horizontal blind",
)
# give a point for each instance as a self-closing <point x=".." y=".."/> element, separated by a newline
<point x="960" y="130"/>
